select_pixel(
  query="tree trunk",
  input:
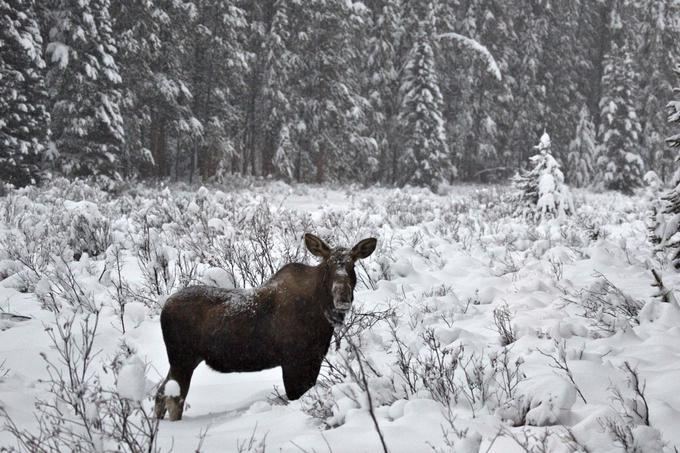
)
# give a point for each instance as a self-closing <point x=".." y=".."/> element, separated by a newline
<point x="159" y="145"/>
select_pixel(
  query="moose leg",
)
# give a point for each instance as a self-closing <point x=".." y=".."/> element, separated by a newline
<point x="159" y="407"/>
<point x="175" y="403"/>
<point x="298" y="377"/>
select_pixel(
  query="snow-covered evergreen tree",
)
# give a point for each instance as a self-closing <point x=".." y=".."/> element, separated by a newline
<point x="542" y="193"/>
<point x="84" y="85"/>
<point x="280" y="64"/>
<point x="218" y="64"/>
<point x="620" y="166"/>
<point x="382" y="84"/>
<point x="477" y="104"/>
<point x="424" y="158"/>
<point x="668" y="227"/>
<point x="156" y="94"/>
<point x="659" y="36"/>
<point x="23" y="112"/>
<point x="581" y="157"/>
<point x="656" y="216"/>
<point x="284" y="158"/>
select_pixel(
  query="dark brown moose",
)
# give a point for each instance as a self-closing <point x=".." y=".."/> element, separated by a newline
<point x="287" y="322"/>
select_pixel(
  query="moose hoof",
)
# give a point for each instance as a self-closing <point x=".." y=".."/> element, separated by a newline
<point x="175" y="407"/>
<point x="159" y="407"/>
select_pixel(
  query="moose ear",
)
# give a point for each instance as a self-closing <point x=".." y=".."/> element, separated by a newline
<point x="316" y="246"/>
<point x="364" y="248"/>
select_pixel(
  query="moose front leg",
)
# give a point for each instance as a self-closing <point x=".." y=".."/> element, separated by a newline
<point x="298" y="377"/>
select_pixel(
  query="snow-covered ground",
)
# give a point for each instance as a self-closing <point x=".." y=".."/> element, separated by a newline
<point x="477" y="330"/>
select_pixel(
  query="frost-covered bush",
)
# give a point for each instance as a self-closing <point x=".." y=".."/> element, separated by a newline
<point x="542" y="191"/>
<point x="91" y="405"/>
<point x="656" y="220"/>
<point x="607" y="307"/>
<point x="88" y="230"/>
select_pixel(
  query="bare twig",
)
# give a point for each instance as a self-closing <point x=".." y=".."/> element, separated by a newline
<point x="368" y="396"/>
<point x="559" y="362"/>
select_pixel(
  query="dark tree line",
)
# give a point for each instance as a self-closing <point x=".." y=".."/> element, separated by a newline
<point x="325" y="90"/>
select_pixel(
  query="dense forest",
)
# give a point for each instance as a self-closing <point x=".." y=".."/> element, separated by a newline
<point x="379" y="91"/>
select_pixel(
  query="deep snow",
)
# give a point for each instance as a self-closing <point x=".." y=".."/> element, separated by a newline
<point x="444" y="264"/>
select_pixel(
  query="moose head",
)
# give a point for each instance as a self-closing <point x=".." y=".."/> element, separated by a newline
<point x="339" y="276"/>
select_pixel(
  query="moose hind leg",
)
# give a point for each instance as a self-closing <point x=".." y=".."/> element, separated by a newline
<point x="298" y="378"/>
<point x="175" y="403"/>
<point x="159" y="406"/>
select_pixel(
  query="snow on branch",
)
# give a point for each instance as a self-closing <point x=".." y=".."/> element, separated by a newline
<point x="478" y="47"/>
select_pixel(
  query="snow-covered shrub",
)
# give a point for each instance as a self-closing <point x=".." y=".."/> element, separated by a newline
<point x="31" y="243"/>
<point x="502" y="318"/>
<point x="437" y="366"/>
<point x="155" y="260"/>
<point x="456" y="439"/>
<point x="67" y="286"/>
<point x="344" y="384"/>
<point x="252" y="444"/>
<point x="88" y="230"/>
<point x="81" y="411"/>
<point x="630" y="426"/>
<point x="607" y="307"/>
<point x="542" y="191"/>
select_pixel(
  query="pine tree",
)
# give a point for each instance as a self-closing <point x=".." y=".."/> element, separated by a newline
<point x="477" y="105"/>
<point x="382" y="84"/>
<point x="424" y="156"/>
<point x="670" y="223"/>
<point x="565" y="69"/>
<point x="280" y="67"/>
<point x="84" y="85"/>
<point x="152" y="48"/>
<point x="620" y="166"/>
<point x="23" y="113"/>
<point x="581" y="157"/>
<point x="285" y="155"/>
<point x="542" y="193"/>
<point x="529" y="90"/>
<point x="323" y="91"/>
<point x="656" y="217"/>
<point x="218" y="64"/>
<point x="658" y="32"/>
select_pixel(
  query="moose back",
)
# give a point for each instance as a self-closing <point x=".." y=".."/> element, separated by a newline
<point x="287" y="322"/>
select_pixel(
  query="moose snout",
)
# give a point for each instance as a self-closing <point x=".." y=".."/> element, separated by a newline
<point x="342" y="296"/>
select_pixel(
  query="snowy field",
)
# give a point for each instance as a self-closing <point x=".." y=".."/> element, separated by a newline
<point x="473" y="329"/>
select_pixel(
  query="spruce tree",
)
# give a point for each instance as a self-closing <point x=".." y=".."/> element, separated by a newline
<point x="23" y="113"/>
<point x="382" y="84"/>
<point x="659" y="36"/>
<point x="323" y="91"/>
<point x="620" y="166"/>
<point x="151" y="41"/>
<point x="84" y="83"/>
<point x="281" y="65"/>
<point x="424" y="158"/>
<point x="669" y="225"/>
<point x="477" y="106"/>
<point x="581" y="157"/>
<point x="217" y="68"/>
<point x="542" y="193"/>
<point x="284" y="158"/>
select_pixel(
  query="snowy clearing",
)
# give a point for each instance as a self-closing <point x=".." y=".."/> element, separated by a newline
<point x="475" y="330"/>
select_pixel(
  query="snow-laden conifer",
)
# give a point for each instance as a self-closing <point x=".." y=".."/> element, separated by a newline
<point x="542" y="191"/>
<point x="23" y="97"/>
<point x="581" y="157"/>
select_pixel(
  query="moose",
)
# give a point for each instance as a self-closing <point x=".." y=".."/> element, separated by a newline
<point x="287" y="322"/>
